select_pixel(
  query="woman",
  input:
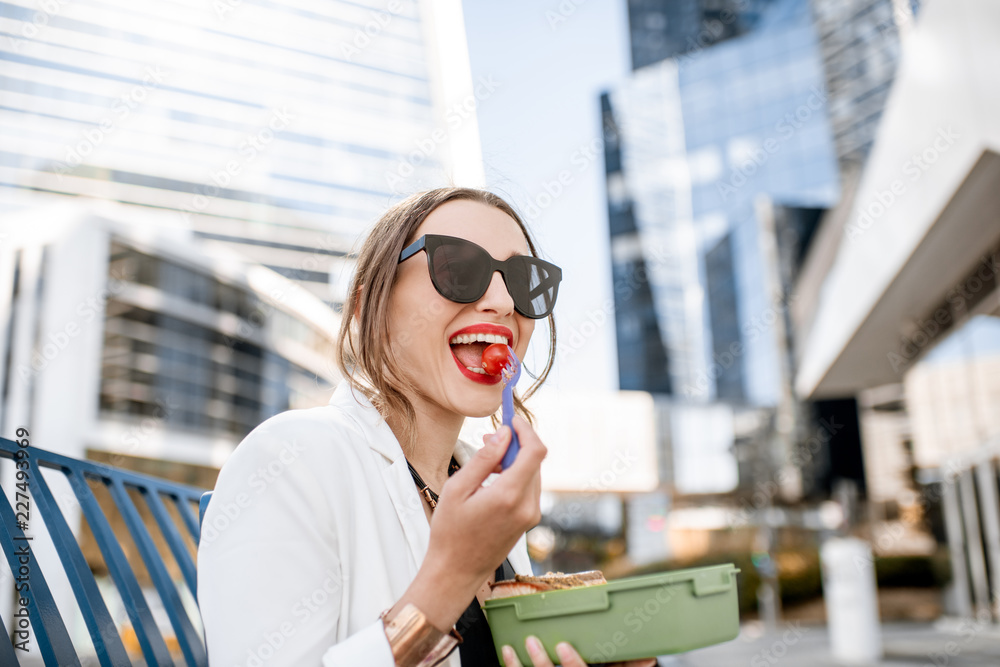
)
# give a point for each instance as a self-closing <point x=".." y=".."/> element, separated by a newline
<point x="360" y="533"/>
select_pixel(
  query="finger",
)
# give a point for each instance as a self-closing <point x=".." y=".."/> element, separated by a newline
<point x="487" y="439"/>
<point x="510" y="656"/>
<point x="537" y="652"/>
<point x="568" y="656"/>
<point x="479" y="467"/>
<point x="532" y="450"/>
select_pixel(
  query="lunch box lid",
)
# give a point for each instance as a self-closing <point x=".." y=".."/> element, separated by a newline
<point x="704" y="581"/>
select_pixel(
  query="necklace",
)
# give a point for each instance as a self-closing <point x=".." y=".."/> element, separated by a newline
<point x="425" y="491"/>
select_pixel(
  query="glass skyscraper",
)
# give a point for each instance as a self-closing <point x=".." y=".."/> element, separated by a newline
<point x="278" y="129"/>
<point x="701" y="137"/>
<point x="860" y="42"/>
<point x="642" y="359"/>
<point x="661" y="29"/>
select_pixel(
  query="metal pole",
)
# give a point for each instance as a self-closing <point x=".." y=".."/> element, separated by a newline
<point x="973" y="537"/>
<point x="956" y="549"/>
<point x="986" y="478"/>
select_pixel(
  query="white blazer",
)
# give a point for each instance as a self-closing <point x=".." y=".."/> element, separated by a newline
<point x="314" y="528"/>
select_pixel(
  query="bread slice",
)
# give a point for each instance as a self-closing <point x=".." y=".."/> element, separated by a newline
<point x="523" y="584"/>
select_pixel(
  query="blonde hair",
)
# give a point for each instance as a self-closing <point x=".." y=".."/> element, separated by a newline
<point x="364" y="351"/>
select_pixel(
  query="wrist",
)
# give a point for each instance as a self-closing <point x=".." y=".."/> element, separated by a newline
<point x="442" y="595"/>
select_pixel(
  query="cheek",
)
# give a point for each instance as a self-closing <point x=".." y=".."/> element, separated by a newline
<point x="418" y="324"/>
<point x="527" y="328"/>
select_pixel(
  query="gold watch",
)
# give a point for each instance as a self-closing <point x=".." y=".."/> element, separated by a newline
<point x="414" y="641"/>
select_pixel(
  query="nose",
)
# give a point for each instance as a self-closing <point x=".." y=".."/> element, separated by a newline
<point x="496" y="299"/>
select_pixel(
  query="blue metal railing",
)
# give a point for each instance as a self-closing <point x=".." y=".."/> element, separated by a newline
<point x="48" y="628"/>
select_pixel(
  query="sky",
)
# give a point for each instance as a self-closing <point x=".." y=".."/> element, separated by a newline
<point x="542" y="149"/>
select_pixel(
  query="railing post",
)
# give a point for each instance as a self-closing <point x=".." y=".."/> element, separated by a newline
<point x="956" y="548"/>
<point x="986" y="477"/>
<point x="974" y="541"/>
<point x="52" y="639"/>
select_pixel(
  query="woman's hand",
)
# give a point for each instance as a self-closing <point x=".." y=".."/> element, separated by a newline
<point x="474" y="527"/>
<point x="567" y="655"/>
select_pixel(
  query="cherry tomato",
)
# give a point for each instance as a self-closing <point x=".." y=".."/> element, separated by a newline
<point x="495" y="358"/>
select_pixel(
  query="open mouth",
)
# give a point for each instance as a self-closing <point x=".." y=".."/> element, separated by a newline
<point x="468" y="350"/>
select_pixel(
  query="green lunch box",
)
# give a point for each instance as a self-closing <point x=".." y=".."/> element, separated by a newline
<point x="625" y="619"/>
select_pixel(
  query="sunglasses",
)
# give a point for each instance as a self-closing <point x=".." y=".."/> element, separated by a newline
<point x="462" y="271"/>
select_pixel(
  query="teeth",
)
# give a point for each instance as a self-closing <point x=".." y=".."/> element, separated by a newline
<point x="481" y="371"/>
<point x="478" y="338"/>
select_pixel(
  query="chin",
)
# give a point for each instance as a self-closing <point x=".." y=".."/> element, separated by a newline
<point x="479" y="413"/>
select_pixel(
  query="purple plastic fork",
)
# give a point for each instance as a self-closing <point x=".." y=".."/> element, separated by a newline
<point x="511" y="373"/>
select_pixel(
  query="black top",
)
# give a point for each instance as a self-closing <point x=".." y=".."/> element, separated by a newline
<point x="477" y="649"/>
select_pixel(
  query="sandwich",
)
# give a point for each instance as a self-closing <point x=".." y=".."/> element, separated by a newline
<point x="523" y="584"/>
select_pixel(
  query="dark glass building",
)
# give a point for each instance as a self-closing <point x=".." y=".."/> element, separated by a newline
<point x="642" y="359"/>
<point x="697" y="139"/>
<point x="661" y="29"/>
<point x="720" y="288"/>
<point x="860" y="44"/>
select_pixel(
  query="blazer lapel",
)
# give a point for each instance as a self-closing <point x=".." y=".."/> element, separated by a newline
<point x="398" y="482"/>
<point x="409" y="508"/>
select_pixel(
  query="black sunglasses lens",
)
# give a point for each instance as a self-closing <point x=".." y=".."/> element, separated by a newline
<point x="532" y="284"/>
<point x="459" y="270"/>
